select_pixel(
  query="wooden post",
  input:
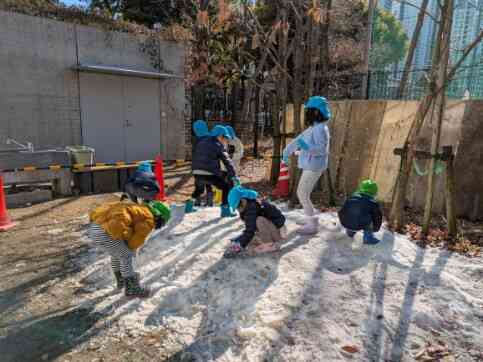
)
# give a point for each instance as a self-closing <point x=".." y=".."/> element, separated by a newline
<point x="397" y="208"/>
<point x="450" y="192"/>
<point x="440" y="103"/>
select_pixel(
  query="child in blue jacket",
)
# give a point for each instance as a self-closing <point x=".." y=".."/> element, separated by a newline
<point x="362" y="212"/>
<point x="313" y="145"/>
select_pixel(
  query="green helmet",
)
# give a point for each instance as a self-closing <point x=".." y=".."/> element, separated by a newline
<point x="158" y="209"/>
<point x="368" y="187"/>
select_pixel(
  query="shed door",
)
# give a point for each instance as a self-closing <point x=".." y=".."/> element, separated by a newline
<point x="142" y="119"/>
<point x="120" y="117"/>
<point x="102" y="115"/>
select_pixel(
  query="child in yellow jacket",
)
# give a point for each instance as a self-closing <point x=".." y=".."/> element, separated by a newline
<point x="120" y="228"/>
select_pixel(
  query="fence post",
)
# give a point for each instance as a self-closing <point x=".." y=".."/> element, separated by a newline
<point x="450" y="189"/>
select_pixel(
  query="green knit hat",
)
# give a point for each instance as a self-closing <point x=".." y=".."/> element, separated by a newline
<point x="368" y="187"/>
<point x="158" y="209"/>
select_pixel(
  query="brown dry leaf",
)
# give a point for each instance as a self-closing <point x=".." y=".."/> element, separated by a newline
<point x="316" y="14"/>
<point x="202" y="18"/>
<point x="350" y="349"/>
<point x="224" y="12"/>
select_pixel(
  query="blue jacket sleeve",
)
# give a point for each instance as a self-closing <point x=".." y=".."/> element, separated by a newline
<point x="250" y="218"/>
<point x="290" y="148"/>
<point x="320" y="142"/>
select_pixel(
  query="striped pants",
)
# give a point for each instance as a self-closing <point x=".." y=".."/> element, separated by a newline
<point x="121" y="255"/>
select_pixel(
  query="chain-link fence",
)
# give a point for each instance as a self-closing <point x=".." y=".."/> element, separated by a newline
<point x="467" y="84"/>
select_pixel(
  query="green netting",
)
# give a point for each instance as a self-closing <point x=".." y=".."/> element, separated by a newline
<point x="438" y="168"/>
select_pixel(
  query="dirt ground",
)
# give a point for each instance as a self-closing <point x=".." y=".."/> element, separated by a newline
<point x="40" y="318"/>
<point x="39" y="321"/>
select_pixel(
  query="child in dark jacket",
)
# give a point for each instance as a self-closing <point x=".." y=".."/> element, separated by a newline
<point x="261" y="218"/>
<point x="362" y="212"/>
<point x="143" y="184"/>
<point x="200" y="129"/>
<point x="209" y="152"/>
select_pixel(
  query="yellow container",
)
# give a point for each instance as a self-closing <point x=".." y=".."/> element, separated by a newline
<point x="217" y="197"/>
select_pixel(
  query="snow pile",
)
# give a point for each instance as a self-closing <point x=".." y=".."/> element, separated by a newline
<point x="323" y="298"/>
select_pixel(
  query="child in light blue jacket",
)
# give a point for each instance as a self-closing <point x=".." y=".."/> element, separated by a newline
<point x="313" y="147"/>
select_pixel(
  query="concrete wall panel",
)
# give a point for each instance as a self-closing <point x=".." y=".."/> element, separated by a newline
<point x="38" y="90"/>
<point x="395" y="128"/>
<point x="469" y="163"/>
<point x="172" y="119"/>
<point x="450" y="136"/>
<point x="339" y="127"/>
<point x="365" y="134"/>
<point x="361" y="141"/>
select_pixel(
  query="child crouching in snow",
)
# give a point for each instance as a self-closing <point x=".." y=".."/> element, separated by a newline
<point x="362" y="212"/>
<point x="261" y="218"/>
<point x="120" y="228"/>
<point x="143" y="184"/>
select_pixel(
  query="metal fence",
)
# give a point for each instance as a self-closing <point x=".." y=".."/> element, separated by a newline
<point x="467" y="84"/>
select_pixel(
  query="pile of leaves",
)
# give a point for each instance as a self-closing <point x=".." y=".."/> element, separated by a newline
<point x="438" y="237"/>
<point x="437" y="351"/>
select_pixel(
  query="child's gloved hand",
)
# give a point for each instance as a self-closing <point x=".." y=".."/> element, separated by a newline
<point x="302" y="144"/>
<point x="236" y="181"/>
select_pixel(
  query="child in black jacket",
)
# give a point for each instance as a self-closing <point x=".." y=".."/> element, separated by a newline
<point x="362" y="212"/>
<point x="209" y="152"/>
<point x="143" y="184"/>
<point x="261" y="218"/>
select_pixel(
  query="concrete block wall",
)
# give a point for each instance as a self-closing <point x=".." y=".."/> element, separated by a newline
<point x="39" y="90"/>
<point x="39" y="94"/>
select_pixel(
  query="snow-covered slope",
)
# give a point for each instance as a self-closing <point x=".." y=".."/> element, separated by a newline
<point x="304" y="303"/>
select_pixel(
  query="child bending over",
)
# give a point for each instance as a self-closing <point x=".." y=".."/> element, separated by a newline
<point x="262" y="219"/>
<point x="120" y="228"/>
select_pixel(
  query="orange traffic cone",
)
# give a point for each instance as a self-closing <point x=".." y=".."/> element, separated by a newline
<point x="159" y="173"/>
<point x="5" y="222"/>
<point x="282" y="189"/>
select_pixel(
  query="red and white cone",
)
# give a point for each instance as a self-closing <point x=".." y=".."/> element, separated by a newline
<point x="5" y="221"/>
<point x="282" y="189"/>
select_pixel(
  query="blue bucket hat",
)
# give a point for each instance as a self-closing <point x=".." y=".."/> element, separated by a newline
<point x="220" y="131"/>
<point x="200" y="128"/>
<point x="321" y="104"/>
<point x="145" y="167"/>
<point x="231" y="131"/>
<point x="237" y="193"/>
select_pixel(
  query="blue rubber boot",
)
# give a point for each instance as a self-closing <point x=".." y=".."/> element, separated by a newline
<point x="226" y="211"/>
<point x="369" y="238"/>
<point x="189" y="207"/>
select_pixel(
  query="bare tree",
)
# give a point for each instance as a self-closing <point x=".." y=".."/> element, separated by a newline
<point x="397" y="209"/>
<point x="367" y="47"/>
<point x="412" y="49"/>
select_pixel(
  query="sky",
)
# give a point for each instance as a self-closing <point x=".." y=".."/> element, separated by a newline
<point x="73" y="2"/>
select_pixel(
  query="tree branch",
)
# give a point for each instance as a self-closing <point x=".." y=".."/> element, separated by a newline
<point x="404" y="2"/>
<point x="467" y="52"/>
<point x="277" y="64"/>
